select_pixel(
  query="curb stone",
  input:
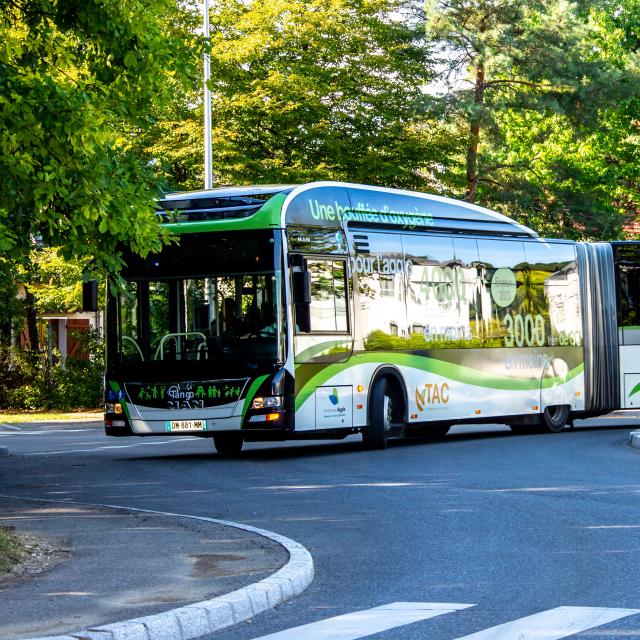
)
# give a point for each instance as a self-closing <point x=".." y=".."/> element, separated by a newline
<point x="202" y="618"/>
<point x="634" y="439"/>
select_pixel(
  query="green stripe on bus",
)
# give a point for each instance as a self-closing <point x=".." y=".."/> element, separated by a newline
<point x="267" y="216"/>
<point x="317" y="349"/>
<point x="116" y="388"/>
<point x="449" y="370"/>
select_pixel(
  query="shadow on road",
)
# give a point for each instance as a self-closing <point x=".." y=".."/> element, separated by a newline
<point x="353" y="445"/>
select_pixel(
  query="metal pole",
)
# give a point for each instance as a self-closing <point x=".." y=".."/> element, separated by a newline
<point x="208" y="169"/>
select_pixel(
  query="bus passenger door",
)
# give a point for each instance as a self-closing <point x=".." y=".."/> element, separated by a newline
<point x="323" y="345"/>
<point x="627" y="276"/>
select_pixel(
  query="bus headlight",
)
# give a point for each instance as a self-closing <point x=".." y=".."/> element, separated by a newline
<point x="270" y="402"/>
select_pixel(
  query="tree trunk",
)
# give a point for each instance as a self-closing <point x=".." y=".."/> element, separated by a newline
<point x="474" y="136"/>
<point x="475" y="123"/>
<point x="32" y="321"/>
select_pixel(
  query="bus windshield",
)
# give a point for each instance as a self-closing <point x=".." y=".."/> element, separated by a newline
<point x="212" y="298"/>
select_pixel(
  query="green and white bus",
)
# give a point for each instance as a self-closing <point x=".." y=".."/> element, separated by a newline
<point x="328" y="309"/>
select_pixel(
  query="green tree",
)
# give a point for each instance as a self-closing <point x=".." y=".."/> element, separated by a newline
<point x="78" y="78"/>
<point x="319" y="89"/>
<point x="172" y="143"/>
<point x="56" y="283"/>
<point x="526" y="88"/>
<point x="11" y="308"/>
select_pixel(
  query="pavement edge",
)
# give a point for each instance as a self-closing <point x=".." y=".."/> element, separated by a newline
<point x="634" y="439"/>
<point x="202" y="618"/>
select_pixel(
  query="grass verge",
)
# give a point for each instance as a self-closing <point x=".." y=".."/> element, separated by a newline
<point x="12" y="417"/>
<point x="11" y="550"/>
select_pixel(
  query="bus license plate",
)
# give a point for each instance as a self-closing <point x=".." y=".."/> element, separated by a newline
<point x="187" y="425"/>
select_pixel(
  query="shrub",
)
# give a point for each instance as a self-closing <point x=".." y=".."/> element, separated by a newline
<point x="30" y="380"/>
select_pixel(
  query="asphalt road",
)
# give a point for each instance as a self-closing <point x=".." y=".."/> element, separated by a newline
<point x="514" y="525"/>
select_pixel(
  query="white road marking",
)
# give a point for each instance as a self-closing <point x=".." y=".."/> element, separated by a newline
<point x="113" y="446"/>
<point x="39" y="433"/>
<point x="11" y="427"/>
<point x="552" y="624"/>
<point x="546" y="625"/>
<point x="365" y="623"/>
<point x="614" y="526"/>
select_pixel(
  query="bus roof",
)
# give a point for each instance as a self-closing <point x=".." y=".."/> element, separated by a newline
<point x="332" y="205"/>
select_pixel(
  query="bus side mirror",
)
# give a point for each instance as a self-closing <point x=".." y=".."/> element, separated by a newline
<point x="301" y="283"/>
<point x="90" y="295"/>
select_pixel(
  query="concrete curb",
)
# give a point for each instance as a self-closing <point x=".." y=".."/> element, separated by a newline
<point x="634" y="439"/>
<point x="202" y="618"/>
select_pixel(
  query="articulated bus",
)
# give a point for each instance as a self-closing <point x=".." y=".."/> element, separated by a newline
<point x="328" y="309"/>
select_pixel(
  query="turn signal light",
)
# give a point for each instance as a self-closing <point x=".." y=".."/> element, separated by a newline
<point x="272" y="417"/>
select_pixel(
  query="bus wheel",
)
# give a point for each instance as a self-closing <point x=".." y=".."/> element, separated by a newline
<point x="228" y="442"/>
<point x="555" y="417"/>
<point x="376" y="433"/>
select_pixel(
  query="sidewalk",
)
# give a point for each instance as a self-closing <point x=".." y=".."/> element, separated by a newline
<point x="109" y="566"/>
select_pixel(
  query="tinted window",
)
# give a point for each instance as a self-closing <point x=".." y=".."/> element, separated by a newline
<point x="328" y="308"/>
<point x="378" y="269"/>
<point x="628" y="275"/>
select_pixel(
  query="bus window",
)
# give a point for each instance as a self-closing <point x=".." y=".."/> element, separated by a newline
<point x="213" y="297"/>
<point x="378" y="269"/>
<point x="627" y="257"/>
<point x="328" y="308"/>
<point x="555" y="298"/>
<point x="129" y="311"/>
<point x="505" y="295"/>
<point x="434" y="296"/>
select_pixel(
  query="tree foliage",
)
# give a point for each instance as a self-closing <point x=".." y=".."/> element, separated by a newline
<point x="78" y="78"/>
<point x="316" y="89"/>
<point x="529" y="107"/>
<point x="529" y="88"/>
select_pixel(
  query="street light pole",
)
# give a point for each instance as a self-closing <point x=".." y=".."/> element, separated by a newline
<point x="208" y="169"/>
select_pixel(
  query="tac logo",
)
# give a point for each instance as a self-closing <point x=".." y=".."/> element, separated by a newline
<point x="432" y="394"/>
<point x="334" y="397"/>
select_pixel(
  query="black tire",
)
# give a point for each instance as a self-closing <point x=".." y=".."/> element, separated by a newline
<point x="228" y="443"/>
<point x="555" y="418"/>
<point x="376" y="433"/>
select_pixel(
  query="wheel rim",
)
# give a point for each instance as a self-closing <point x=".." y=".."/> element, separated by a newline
<point x="387" y="412"/>
<point x="555" y="413"/>
<point x="556" y="417"/>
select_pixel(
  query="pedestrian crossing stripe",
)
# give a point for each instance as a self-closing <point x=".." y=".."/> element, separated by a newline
<point x="360" y="624"/>
<point x="552" y="624"/>
<point x="546" y="625"/>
